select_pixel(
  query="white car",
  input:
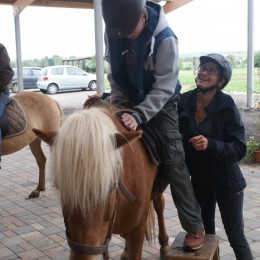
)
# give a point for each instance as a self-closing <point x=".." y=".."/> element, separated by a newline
<point x="63" y="77"/>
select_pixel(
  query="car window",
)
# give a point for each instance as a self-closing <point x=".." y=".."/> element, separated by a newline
<point x="57" y="71"/>
<point x="74" y="71"/>
<point x="43" y="72"/>
<point x="26" y="72"/>
<point x="36" y="72"/>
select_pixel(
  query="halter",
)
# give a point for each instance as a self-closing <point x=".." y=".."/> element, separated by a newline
<point x="102" y="249"/>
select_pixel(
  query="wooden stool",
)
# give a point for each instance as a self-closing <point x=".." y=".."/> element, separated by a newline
<point x="209" y="251"/>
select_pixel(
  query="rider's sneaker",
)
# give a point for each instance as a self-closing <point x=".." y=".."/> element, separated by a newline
<point x="194" y="241"/>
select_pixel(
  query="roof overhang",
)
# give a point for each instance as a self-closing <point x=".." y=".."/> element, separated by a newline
<point x="19" y="5"/>
<point x="50" y="3"/>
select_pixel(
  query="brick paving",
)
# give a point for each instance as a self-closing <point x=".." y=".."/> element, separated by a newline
<point x="34" y="229"/>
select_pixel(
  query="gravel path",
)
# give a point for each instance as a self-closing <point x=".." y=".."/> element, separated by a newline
<point x="250" y="117"/>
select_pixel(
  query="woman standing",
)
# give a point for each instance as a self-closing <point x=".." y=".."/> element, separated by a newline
<point x="214" y="143"/>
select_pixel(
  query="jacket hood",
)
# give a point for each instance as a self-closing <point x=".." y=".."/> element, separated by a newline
<point x="162" y="22"/>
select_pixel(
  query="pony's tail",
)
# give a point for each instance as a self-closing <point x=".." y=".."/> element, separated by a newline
<point x="150" y="233"/>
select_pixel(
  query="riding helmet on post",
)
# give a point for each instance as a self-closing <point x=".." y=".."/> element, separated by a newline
<point x="223" y="62"/>
<point x="121" y="16"/>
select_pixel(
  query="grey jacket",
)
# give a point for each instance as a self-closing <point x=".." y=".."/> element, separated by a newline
<point x="162" y="68"/>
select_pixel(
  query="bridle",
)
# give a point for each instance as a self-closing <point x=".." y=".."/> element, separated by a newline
<point x="102" y="249"/>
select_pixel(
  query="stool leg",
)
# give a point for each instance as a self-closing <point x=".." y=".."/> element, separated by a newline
<point x="216" y="255"/>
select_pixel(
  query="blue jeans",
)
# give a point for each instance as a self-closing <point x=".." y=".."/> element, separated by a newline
<point x="4" y="99"/>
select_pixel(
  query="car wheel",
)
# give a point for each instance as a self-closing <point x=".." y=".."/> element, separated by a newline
<point x="92" y="85"/>
<point x="52" y="89"/>
<point x="43" y="90"/>
<point x="15" y="88"/>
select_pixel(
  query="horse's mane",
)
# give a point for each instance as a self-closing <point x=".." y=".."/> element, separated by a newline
<point x="85" y="163"/>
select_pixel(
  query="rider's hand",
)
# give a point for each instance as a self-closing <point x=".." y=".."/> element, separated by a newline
<point x="129" y="121"/>
<point x="199" y="142"/>
<point x="91" y="100"/>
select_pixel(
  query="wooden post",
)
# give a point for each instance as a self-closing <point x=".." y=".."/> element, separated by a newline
<point x="173" y="5"/>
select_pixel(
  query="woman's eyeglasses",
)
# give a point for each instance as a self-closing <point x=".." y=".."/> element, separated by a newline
<point x="210" y="71"/>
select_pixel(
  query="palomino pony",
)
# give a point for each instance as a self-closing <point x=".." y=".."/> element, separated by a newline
<point x="105" y="184"/>
<point x="39" y="111"/>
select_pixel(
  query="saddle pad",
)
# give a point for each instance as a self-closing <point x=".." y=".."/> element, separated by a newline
<point x="16" y="117"/>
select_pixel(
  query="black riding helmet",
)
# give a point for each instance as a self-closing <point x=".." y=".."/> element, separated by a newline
<point x="222" y="62"/>
<point x="121" y="16"/>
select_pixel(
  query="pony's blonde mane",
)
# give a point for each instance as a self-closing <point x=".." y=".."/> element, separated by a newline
<point x="84" y="162"/>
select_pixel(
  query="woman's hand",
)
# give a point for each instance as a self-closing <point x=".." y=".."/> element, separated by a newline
<point x="199" y="142"/>
<point x="92" y="99"/>
<point x="129" y="121"/>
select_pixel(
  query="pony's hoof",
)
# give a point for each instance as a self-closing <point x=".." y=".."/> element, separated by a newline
<point x="34" y="194"/>
<point x="163" y="251"/>
<point x="124" y="255"/>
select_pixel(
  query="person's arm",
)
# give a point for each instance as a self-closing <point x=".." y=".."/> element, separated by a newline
<point x="166" y="76"/>
<point x="6" y="72"/>
<point x="119" y="98"/>
<point x="233" y="146"/>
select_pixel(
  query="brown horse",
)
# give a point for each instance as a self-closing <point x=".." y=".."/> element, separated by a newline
<point x="105" y="184"/>
<point x="41" y="112"/>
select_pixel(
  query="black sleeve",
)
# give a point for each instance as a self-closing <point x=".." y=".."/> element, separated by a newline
<point x="6" y="72"/>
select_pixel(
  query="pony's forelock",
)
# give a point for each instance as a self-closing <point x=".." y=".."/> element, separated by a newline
<point x="84" y="161"/>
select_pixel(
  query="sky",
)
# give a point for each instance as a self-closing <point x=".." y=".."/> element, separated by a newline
<point x="201" y="26"/>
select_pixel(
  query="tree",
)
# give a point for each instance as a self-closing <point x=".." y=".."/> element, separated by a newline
<point x="257" y="62"/>
<point x="91" y="65"/>
<point x="257" y="59"/>
<point x="180" y="64"/>
<point x="57" y="59"/>
<point x="232" y="59"/>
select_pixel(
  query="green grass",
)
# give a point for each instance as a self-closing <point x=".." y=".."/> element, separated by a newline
<point x="238" y="81"/>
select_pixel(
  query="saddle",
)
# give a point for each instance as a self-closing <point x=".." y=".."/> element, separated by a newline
<point x="150" y="143"/>
<point x="13" y="121"/>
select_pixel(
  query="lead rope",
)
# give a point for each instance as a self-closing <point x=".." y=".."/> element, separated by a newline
<point x="105" y="255"/>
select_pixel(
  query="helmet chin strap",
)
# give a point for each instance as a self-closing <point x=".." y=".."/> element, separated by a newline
<point x="205" y="90"/>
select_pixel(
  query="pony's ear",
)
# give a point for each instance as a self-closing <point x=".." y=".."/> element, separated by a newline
<point x="127" y="137"/>
<point x="47" y="136"/>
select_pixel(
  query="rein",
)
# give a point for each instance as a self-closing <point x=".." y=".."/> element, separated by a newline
<point x="128" y="195"/>
<point x="102" y="249"/>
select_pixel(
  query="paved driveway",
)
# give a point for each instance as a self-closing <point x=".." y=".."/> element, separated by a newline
<point x="34" y="229"/>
